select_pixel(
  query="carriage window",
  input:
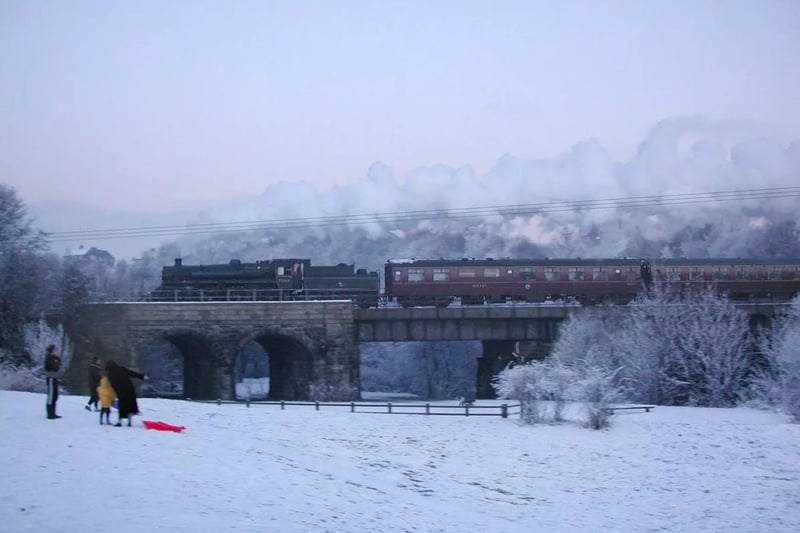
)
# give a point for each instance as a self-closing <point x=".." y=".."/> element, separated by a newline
<point x="491" y="272"/>
<point x="695" y="274"/>
<point x="441" y="274"/>
<point x="464" y="273"/>
<point x="551" y="273"/>
<point x="721" y="273"/>
<point x="743" y="272"/>
<point x="673" y="274"/>
<point x="397" y="275"/>
<point x="776" y="272"/>
<point x="527" y="274"/>
<point x="575" y="273"/>
<point x="599" y="274"/>
<point x="415" y="274"/>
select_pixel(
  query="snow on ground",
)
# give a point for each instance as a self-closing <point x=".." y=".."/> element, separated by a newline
<point x="300" y="470"/>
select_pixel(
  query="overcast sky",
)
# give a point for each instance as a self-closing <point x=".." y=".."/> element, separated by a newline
<point x="168" y="105"/>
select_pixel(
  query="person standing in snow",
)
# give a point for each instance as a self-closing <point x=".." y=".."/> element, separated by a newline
<point x="52" y="371"/>
<point x="94" y="382"/>
<point x="107" y="396"/>
<point x="120" y="379"/>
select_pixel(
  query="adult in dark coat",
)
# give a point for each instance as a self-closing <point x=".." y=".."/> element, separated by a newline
<point x="120" y="378"/>
<point x="52" y="372"/>
<point x="94" y="382"/>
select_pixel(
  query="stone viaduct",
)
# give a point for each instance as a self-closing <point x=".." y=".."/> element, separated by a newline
<point x="308" y="342"/>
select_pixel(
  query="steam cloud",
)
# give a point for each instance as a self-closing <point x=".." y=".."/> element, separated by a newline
<point x="679" y="156"/>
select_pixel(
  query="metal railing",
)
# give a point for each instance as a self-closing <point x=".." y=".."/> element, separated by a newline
<point x="429" y="409"/>
<point x="260" y="295"/>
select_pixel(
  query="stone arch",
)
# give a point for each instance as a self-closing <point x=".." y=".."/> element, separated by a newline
<point x="200" y="361"/>
<point x="291" y="361"/>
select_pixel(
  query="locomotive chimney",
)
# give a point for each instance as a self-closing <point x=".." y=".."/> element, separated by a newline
<point x="178" y="261"/>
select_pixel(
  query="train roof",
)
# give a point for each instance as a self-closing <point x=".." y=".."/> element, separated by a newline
<point x="580" y="261"/>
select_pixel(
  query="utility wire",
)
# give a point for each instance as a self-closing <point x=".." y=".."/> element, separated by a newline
<point x="635" y="202"/>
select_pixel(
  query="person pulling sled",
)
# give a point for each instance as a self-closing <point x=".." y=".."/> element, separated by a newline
<point x="120" y="379"/>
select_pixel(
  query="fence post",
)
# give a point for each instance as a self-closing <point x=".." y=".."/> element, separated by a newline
<point x="283" y="406"/>
<point x="427" y="408"/>
<point x="389" y="405"/>
<point x="219" y="401"/>
<point x="247" y="402"/>
<point x="504" y="410"/>
<point x="466" y="410"/>
<point x="316" y="406"/>
<point x="352" y="407"/>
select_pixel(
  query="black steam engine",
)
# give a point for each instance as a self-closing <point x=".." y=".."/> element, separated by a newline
<point x="277" y="279"/>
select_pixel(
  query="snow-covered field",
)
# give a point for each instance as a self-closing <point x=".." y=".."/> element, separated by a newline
<point x="300" y="470"/>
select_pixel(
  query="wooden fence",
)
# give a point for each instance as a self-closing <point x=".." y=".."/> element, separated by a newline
<point x="428" y="409"/>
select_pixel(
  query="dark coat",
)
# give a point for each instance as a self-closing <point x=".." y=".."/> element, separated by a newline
<point x="120" y="378"/>
<point x="94" y="376"/>
<point x="52" y="366"/>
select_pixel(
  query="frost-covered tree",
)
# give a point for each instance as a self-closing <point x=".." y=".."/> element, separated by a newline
<point x="428" y="369"/>
<point x="19" y="244"/>
<point x="443" y="370"/>
<point x="667" y="347"/>
<point x="697" y="343"/>
<point x="592" y="332"/>
<point x="29" y="375"/>
<point x="780" y="382"/>
<point x="74" y="288"/>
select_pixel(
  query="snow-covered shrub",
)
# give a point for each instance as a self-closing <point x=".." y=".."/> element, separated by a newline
<point x="21" y="378"/>
<point x="597" y="388"/>
<point x="557" y="384"/>
<point x="542" y="388"/>
<point x="524" y="383"/>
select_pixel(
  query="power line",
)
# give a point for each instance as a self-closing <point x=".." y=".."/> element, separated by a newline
<point x="635" y="202"/>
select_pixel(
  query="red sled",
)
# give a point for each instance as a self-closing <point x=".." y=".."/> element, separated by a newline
<point x="162" y="426"/>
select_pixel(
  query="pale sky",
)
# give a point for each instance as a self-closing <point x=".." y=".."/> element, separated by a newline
<point x="168" y="105"/>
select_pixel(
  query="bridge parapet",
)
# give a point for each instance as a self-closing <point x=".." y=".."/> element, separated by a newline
<point x="460" y="323"/>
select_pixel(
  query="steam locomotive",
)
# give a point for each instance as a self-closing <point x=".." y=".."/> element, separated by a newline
<point x="440" y="282"/>
<point x="277" y="279"/>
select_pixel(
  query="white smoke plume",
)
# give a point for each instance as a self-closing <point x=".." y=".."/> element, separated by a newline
<point x="686" y="155"/>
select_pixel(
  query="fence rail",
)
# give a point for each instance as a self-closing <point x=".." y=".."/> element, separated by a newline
<point x="428" y="409"/>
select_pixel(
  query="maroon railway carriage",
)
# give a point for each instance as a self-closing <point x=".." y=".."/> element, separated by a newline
<point x="475" y="281"/>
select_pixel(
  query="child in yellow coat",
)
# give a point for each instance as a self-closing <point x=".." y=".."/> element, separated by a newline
<point x="107" y="396"/>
